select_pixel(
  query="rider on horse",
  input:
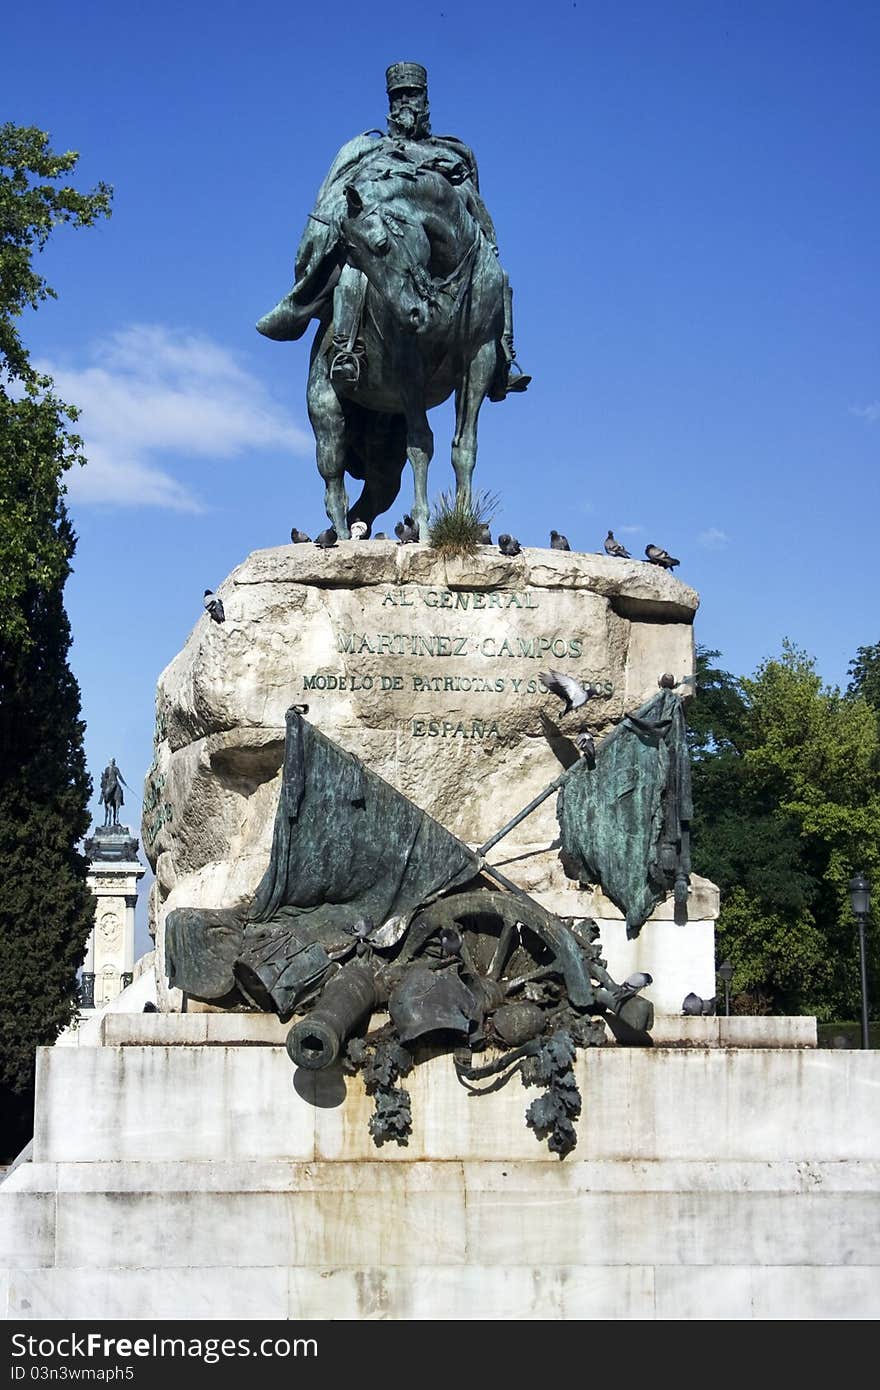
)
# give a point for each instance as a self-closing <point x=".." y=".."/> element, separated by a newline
<point x="112" y="798"/>
<point x="408" y="150"/>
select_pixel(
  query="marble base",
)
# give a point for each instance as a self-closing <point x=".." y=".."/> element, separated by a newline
<point x="190" y="1180"/>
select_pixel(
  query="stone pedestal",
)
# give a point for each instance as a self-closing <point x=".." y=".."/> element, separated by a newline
<point x="114" y="874"/>
<point x="182" y="1170"/>
<point x="428" y="670"/>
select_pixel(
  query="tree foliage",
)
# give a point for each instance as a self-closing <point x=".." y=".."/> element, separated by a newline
<point x="38" y="445"/>
<point x="29" y="211"/>
<point x="787" y="798"/>
<point x="46" y="909"/>
<point x="864" y="675"/>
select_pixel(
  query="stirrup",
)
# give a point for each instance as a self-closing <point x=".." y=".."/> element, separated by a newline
<point x="520" y="382"/>
<point x="346" y="366"/>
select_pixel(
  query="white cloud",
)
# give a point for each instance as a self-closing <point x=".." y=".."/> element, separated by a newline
<point x="150" y="391"/>
<point x="871" y="412"/>
<point x="629" y="530"/>
<point x="713" y="539"/>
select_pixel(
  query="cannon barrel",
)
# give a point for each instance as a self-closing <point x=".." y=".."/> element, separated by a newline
<point x="346" y="1001"/>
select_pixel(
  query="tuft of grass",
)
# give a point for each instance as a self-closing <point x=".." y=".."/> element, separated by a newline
<point x="455" y="529"/>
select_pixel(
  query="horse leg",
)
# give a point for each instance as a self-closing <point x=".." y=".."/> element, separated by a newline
<point x="378" y="495"/>
<point x="381" y="462"/>
<point x="328" y="424"/>
<point x="419" y="451"/>
<point x="419" y="442"/>
<point x="468" y="399"/>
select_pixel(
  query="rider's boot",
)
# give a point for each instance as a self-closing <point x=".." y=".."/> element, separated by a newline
<point x="348" y="357"/>
<point x="510" y="376"/>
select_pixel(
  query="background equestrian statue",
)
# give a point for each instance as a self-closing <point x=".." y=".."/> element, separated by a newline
<point x="332" y="280"/>
<point x="112" y="782"/>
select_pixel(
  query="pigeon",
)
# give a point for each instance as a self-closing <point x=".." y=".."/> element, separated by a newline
<point x="362" y="927"/>
<point x="638" y="981"/>
<point x="586" y="747"/>
<point x="634" y="983"/>
<point x="299" y="537"/>
<point x="380" y="536"/>
<point x="406" y="531"/>
<point x="658" y="556"/>
<point x="214" y="606"/>
<point x="485" y="534"/>
<point x="509" y="545"/>
<point x="570" y="691"/>
<point x="558" y="542"/>
<point x="696" y="1007"/>
<point x="450" y="942"/>
<point x="361" y="930"/>
<point x="327" y="539"/>
<point x="359" y="530"/>
<point x="613" y="547"/>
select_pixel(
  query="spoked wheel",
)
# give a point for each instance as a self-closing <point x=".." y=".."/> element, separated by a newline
<point x="519" y="962"/>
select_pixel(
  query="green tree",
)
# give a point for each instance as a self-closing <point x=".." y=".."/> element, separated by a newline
<point x="739" y="826"/>
<point x="864" y="675"/>
<point x="46" y="909"/>
<point x="787" y="799"/>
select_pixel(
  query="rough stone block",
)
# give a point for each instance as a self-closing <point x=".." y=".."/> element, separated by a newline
<point x="427" y="669"/>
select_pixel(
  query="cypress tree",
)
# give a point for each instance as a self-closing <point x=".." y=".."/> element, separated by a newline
<point x="46" y="909"/>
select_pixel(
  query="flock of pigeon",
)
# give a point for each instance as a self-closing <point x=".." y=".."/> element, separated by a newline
<point x="407" y="533"/>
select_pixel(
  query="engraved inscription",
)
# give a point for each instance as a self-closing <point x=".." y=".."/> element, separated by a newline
<point x="442" y="644"/>
<point x="462" y="599"/>
<point x="459" y="685"/>
<point x="480" y="643"/>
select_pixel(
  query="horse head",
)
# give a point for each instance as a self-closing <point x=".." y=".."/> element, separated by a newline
<point x="387" y="240"/>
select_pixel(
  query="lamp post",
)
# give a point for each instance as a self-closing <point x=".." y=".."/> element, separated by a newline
<point x="860" y="898"/>
<point x="725" y="971"/>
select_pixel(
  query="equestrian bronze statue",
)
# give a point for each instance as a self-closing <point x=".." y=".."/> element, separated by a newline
<point x="399" y="266"/>
<point x="112" y="797"/>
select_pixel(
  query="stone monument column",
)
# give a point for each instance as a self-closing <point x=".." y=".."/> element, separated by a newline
<point x="114" y="874"/>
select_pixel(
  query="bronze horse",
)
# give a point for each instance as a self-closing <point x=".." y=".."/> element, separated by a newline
<point x="111" y="793"/>
<point x="431" y="324"/>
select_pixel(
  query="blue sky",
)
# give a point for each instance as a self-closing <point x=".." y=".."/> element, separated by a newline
<point x="687" y="199"/>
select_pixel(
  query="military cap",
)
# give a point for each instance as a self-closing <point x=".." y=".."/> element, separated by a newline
<point x="405" y="75"/>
